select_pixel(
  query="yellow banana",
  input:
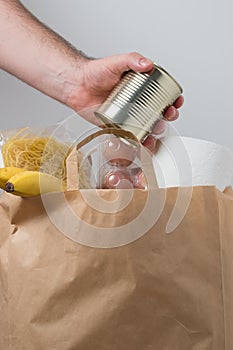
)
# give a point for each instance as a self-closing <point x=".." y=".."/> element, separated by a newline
<point x="7" y="173"/>
<point x="33" y="183"/>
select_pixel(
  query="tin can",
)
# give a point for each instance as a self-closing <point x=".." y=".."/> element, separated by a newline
<point x="138" y="101"/>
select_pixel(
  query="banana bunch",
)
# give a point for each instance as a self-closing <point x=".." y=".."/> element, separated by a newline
<point x="26" y="183"/>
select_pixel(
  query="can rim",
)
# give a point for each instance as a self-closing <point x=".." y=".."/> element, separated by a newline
<point x="169" y="75"/>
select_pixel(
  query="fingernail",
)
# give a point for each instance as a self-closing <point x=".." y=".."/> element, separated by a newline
<point x="144" y="62"/>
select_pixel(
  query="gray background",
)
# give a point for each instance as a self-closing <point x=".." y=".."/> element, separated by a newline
<point x="191" y="39"/>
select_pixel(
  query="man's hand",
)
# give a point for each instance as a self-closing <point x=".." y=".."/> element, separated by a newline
<point x="97" y="78"/>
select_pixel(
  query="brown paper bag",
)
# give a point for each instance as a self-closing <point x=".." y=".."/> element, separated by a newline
<point x="161" y="291"/>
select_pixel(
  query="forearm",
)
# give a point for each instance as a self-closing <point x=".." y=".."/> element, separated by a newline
<point x="35" y="54"/>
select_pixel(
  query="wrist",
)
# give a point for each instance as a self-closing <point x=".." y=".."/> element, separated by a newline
<point x="74" y="83"/>
<point x="71" y="79"/>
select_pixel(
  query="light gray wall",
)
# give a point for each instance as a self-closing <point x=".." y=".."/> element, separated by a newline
<point x="191" y="39"/>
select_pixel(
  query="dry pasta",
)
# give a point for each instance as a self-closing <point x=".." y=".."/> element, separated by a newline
<point x="41" y="153"/>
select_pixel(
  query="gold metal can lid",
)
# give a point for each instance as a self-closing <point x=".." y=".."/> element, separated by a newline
<point x="169" y="76"/>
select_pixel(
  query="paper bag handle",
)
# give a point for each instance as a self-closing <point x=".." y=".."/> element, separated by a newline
<point x="72" y="159"/>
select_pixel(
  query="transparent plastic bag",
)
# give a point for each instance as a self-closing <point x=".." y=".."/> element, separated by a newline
<point x="44" y="150"/>
<point x="120" y="164"/>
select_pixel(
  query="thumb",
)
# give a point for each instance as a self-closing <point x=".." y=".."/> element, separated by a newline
<point x="118" y="64"/>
